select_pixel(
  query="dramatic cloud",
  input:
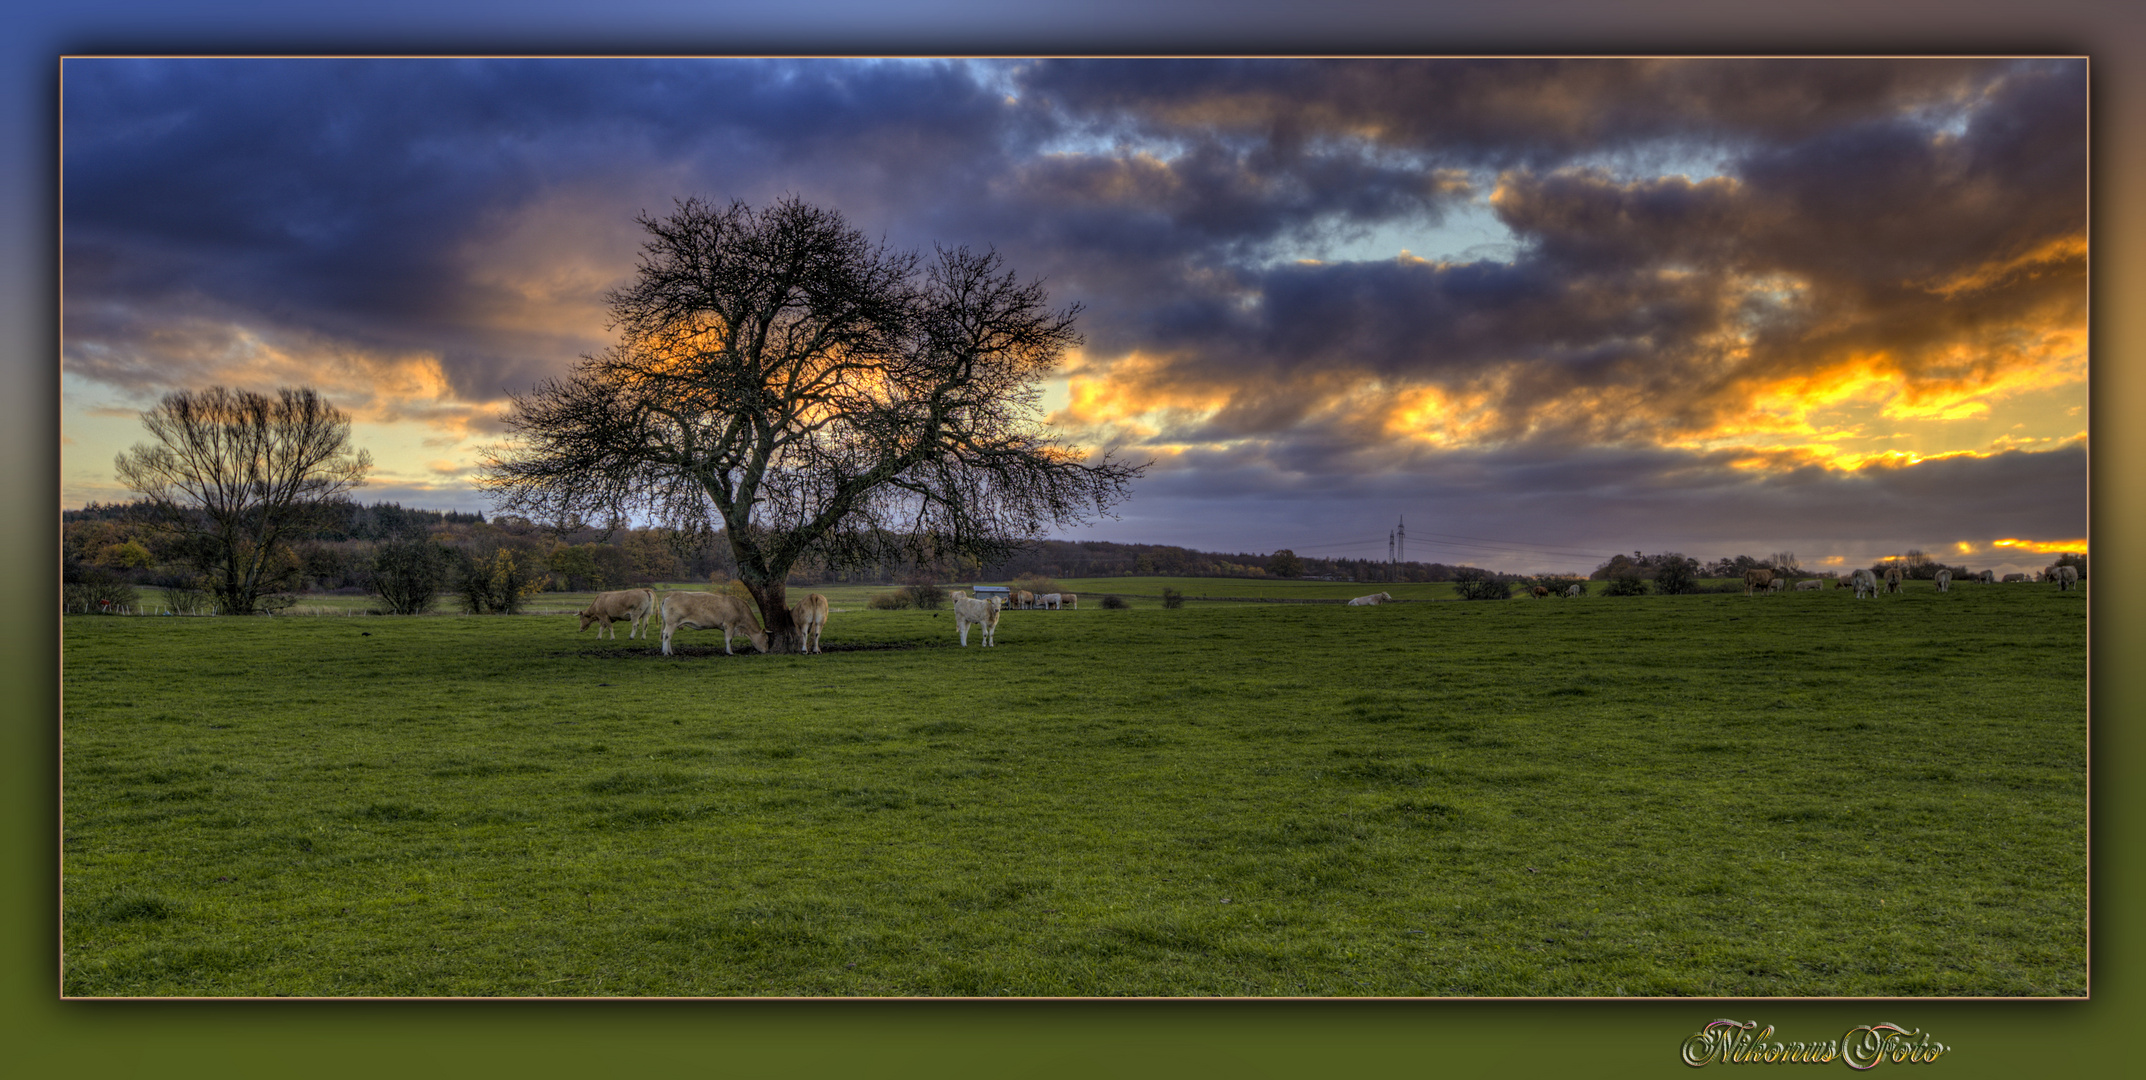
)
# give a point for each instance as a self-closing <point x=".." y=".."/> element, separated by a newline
<point x="1642" y="303"/>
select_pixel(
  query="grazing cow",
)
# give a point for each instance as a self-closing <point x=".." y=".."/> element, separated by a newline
<point x="1022" y="598"/>
<point x="1944" y="581"/>
<point x="1539" y="591"/>
<point x="2066" y="576"/>
<point x="982" y="613"/>
<point x="1866" y="584"/>
<point x="630" y="606"/>
<point x="1049" y="601"/>
<point x="2015" y="577"/>
<point x="1807" y="586"/>
<point x="1756" y="578"/>
<point x="1576" y="589"/>
<point x="711" y="611"/>
<point x="1068" y="600"/>
<point x="810" y="615"/>
<point x="1892" y="579"/>
<point x="1371" y="600"/>
<point x="1989" y="577"/>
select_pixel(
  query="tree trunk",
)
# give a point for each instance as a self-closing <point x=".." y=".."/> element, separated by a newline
<point x="774" y="601"/>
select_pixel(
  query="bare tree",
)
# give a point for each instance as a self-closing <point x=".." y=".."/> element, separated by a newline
<point x="784" y="381"/>
<point x="240" y="471"/>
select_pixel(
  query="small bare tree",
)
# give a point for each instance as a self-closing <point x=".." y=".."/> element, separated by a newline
<point x="803" y="391"/>
<point x="239" y="472"/>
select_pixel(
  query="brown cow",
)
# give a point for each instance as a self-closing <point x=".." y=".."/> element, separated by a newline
<point x="810" y="615"/>
<point x="711" y="611"/>
<point x="630" y="606"/>
<point x="1892" y="580"/>
<point x="1757" y="578"/>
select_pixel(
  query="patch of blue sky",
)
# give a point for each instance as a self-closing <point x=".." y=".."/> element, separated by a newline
<point x="1467" y="232"/>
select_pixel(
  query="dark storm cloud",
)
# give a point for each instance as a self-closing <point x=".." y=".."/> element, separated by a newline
<point x="1688" y="238"/>
<point x="1944" y="253"/>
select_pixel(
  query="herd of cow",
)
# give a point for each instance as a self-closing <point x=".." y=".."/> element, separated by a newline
<point x="1866" y="582"/>
<point x="734" y="615"/>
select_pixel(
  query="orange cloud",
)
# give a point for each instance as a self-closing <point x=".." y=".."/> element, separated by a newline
<point x="2042" y="547"/>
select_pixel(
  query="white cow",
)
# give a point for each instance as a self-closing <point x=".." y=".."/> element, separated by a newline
<point x="711" y="611"/>
<point x="982" y="613"/>
<point x="1944" y="581"/>
<point x="630" y="606"/>
<point x="1866" y="584"/>
<point x="1807" y="586"/>
<point x="1989" y="577"/>
<point x="2014" y="577"/>
<point x="1777" y="584"/>
<point x="2066" y="576"/>
<point x="1371" y="600"/>
<point x="1050" y="601"/>
<point x="810" y="615"/>
<point x="1576" y="589"/>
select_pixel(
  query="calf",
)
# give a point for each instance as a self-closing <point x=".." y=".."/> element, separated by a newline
<point x="630" y="606"/>
<point x="810" y="615"/>
<point x="981" y="613"/>
<point x="711" y="611"/>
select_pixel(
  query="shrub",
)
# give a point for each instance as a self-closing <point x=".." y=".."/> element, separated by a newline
<point x="408" y="574"/>
<point x="101" y="592"/>
<point x="496" y="585"/>
<point x="1484" y="587"/>
<point x="1627" y="585"/>
<point x="188" y="595"/>
<point x="927" y="597"/>
<point x="1173" y="599"/>
<point x="898" y="600"/>
<point x="1115" y="602"/>
<point x="1675" y="575"/>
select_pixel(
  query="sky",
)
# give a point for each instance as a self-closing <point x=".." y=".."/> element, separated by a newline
<point x="1541" y="310"/>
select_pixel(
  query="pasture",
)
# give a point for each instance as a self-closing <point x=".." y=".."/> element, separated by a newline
<point x="1799" y="795"/>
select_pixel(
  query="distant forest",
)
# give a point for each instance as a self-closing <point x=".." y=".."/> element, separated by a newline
<point x="118" y="540"/>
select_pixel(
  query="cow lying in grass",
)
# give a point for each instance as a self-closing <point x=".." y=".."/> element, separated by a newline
<point x="1371" y="600"/>
<point x="810" y="615"/>
<point x="711" y="611"/>
<point x="1806" y="586"/>
<point x="2014" y="577"/>
<point x="630" y="606"/>
<point x="983" y="613"/>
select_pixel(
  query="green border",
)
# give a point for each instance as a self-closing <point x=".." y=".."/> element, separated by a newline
<point x="44" y="1037"/>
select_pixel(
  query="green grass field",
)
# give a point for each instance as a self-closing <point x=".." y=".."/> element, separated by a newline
<point x="1707" y="795"/>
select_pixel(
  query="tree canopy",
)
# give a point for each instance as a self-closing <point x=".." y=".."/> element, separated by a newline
<point x="783" y="380"/>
